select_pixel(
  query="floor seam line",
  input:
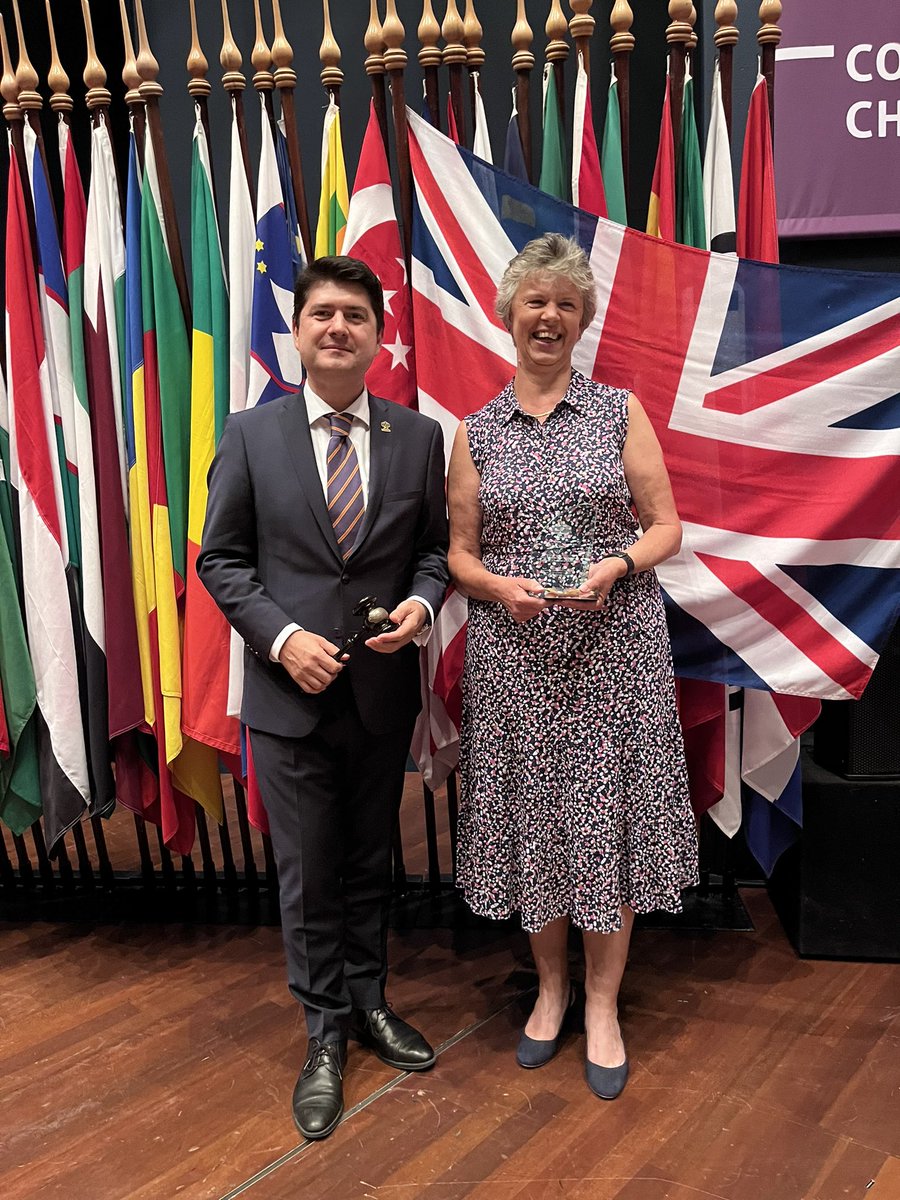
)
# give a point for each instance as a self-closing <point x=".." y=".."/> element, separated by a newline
<point x="297" y="1151"/>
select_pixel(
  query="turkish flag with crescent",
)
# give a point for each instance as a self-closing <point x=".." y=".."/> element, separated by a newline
<point x="372" y="235"/>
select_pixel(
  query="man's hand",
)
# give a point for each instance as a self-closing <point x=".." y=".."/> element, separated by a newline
<point x="410" y="618"/>
<point x="308" y="659"/>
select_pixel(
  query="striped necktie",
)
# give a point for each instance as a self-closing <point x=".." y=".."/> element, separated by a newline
<point x="344" y="492"/>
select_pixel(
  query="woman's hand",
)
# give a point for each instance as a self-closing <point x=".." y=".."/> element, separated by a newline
<point x="602" y="576"/>
<point x="515" y="596"/>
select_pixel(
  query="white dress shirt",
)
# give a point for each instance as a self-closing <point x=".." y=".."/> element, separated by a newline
<point x="318" y="412"/>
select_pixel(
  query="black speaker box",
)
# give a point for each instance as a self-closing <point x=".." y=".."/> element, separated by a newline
<point x="860" y="739"/>
<point x="837" y="891"/>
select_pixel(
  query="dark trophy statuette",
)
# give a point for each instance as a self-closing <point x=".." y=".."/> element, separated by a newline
<point x="375" y="621"/>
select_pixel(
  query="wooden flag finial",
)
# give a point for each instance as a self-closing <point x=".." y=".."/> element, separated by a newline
<point x="726" y="21"/>
<point x="692" y="41"/>
<point x="454" y="52"/>
<point x="769" y="33"/>
<point x="26" y="75"/>
<point x="582" y="23"/>
<point x="329" y="53"/>
<point x="621" y="19"/>
<point x="94" y="75"/>
<point x="429" y="33"/>
<point x="131" y="77"/>
<point x="9" y="89"/>
<point x="394" y="33"/>
<point x="60" y="100"/>
<point x="261" y="56"/>
<point x="374" y="41"/>
<point x="679" y="29"/>
<point x="522" y="37"/>
<point x="555" y="28"/>
<point x="197" y="62"/>
<point x="230" y="56"/>
<point x="147" y="64"/>
<point x="282" y="52"/>
<point x="472" y="35"/>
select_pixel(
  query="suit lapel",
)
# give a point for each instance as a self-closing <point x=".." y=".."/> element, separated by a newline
<point x="381" y="448"/>
<point x="298" y="440"/>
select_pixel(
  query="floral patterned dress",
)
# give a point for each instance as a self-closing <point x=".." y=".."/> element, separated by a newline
<point x="574" y="788"/>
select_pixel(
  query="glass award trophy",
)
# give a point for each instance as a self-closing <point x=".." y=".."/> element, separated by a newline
<point x="563" y="561"/>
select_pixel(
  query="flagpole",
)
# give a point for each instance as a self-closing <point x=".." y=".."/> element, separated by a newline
<point x="150" y="91"/>
<point x="678" y="36"/>
<point x="395" y="62"/>
<point x="374" y="44"/>
<point x="430" y="58"/>
<point x="523" y="65"/>
<point x="454" y="55"/>
<point x="10" y="92"/>
<point x="234" y="83"/>
<point x="581" y="29"/>
<point x="285" y="79"/>
<point x="60" y="100"/>
<point x="475" y="56"/>
<point x="725" y="38"/>
<point x="261" y="58"/>
<point x="768" y="36"/>
<point x="621" y="45"/>
<point x="98" y="97"/>
<point x="132" y="79"/>
<point x="199" y="86"/>
<point x="330" y="57"/>
<point x="557" y="52"/>
<point x="13" y="116"/>
<point x="30" y="102"/>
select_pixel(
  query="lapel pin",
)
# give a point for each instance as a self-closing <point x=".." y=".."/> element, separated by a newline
<point x="385" y="427"/>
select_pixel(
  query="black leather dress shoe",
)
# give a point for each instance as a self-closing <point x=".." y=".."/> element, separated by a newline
<point x="318" y="1102"/>
<point x="394" y="1041"/>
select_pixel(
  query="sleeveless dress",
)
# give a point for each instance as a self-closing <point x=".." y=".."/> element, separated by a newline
<point x="574" y="792"/>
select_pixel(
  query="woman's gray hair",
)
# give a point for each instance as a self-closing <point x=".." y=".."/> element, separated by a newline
<point x="550" y="255"/>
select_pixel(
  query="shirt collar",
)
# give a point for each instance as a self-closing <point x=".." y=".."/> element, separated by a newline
<point x="574" y="398"/>
<point x="316" y="408"/>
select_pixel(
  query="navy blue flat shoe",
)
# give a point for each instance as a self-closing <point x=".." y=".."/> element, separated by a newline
<point x="606" y="1082"/>
<point x="534" y="1052"/>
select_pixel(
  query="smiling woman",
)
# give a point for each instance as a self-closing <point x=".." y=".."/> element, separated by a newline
<point x="574" y="789"/>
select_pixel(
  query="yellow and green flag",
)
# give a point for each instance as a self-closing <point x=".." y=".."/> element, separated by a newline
<point x="335" y="200"/>
<point x="206" y="632"/>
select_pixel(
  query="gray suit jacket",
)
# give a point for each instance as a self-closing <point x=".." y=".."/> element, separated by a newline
<point x="269" y="555"/>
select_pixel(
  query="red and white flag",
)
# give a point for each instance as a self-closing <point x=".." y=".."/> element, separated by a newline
<point x="587" y="180"/>
<point x="757" y="227"/>
<point x="35" y="470"/>
<point x="372" y="235"/>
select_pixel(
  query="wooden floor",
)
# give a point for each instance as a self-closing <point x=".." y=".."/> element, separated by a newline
<point x="143" y="1063"/>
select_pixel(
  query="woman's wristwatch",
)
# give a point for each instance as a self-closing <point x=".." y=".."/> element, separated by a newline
<point x="626" y="558"/>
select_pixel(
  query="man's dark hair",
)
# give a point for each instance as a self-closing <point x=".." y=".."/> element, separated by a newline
<point x="340" y="269"/>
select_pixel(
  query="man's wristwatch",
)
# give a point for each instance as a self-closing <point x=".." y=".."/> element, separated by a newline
<point x="626" y="558"/>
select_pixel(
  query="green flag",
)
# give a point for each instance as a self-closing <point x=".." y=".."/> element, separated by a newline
<point x="20" y="791"/>
<point x="611" y="158"/>
<point x="167" y="365"/>
<point x="691" y="222"/>
<point x="553" y="160"/>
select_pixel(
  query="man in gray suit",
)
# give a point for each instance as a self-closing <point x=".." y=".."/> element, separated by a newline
<point x="315" y="501"/>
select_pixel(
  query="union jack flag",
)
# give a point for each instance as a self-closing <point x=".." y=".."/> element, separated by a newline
<point x="773" y="391"/>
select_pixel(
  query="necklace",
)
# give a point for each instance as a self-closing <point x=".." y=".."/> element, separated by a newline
<point x="545" y="413"/>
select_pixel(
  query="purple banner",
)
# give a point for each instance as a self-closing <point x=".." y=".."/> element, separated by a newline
<point x="837" y="118"/>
